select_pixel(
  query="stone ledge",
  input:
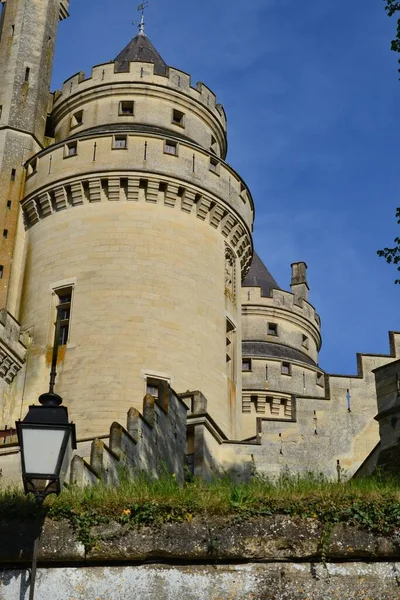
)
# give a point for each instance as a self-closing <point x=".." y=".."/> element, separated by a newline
<point x="269" y="539"/>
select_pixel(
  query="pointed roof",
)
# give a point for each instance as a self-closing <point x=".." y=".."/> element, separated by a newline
<point x="140" y="49"/>
<point x="259" y="276"/>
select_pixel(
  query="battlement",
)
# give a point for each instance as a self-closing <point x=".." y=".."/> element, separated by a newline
<point x="143" y="74"/>
<point x="153" y="442"/>
<point x="280" y="300"/>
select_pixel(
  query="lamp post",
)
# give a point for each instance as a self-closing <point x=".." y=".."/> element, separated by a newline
<point x="46" y="439"/>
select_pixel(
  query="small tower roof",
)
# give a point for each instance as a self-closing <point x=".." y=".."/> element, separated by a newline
<point x="259" y="276"/>
<point x="140" y="49"/>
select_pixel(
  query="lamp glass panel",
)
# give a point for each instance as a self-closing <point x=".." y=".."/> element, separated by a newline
<point x="66" y="460"/>
<point x="42" y="449"/>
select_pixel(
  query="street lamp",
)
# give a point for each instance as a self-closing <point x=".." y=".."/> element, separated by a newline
<point x="47" y="440"/>
<point x="46" y="437"/>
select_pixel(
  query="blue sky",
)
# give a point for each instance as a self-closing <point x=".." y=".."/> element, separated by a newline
<point x="312" y="93"/>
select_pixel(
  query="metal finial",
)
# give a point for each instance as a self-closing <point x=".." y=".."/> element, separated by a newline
<point x="141" y="8"/>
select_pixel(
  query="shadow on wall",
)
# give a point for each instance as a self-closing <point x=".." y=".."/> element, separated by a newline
<point x="21" y="534"/>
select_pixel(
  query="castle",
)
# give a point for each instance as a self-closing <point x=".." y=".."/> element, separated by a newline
<point x="117" y="203"/>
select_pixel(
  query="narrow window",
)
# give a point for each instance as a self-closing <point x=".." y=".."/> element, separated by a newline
<point x="120" y="142"/>
<point x="126" y="108"/>
<point x="320" y="379"/>
<point x="9" y="204"/>
<point x="1" y="110"/>
<point x="5" y="234"/>
<point x="272" y="329"/>
<point x="286" y="368"/>
<point x="246" y="364"/>
<point x="304" y="342"/>
<point x="13" y="174"/>
<point x="171" y="148"/>
<point x="77" y="118"/>
<point x="64" y="313"/>
<point x="71" y="149"/>
<point x="27" y="73"/>
<point x="12" y="30"/>
<point x="214" y="166"/>
<point x="153" y="389"/>
<point x="266" y="372"/>
<point x="178" y="118"/>
<point x="1" y="271"/>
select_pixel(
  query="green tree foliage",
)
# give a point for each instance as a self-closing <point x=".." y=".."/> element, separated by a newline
<point x="393" y="7"/>
<point x="392" y="255"/>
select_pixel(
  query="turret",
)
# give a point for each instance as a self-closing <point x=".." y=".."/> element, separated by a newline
<point x="135" y="220"/>
<point x="281" y="341"/>
<point x="27" y="39"/>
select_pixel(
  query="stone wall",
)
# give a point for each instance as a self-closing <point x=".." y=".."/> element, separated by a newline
<point x="335" y="431"/>
<point x="153" y="441"/>
<point x="272" y="558"/>
<point x="388" y="393"/>
<point x="27" y="44"/>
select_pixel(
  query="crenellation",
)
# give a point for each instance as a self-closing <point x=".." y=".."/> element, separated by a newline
<point x="153" y="258"/>
<point x="140" y="73"/>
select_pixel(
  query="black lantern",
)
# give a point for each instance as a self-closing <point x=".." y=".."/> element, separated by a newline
<point x="46" y="439"/>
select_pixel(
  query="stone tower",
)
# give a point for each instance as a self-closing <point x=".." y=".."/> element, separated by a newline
<point x="137" y="225"/>
<point x="27" y="38"/>
<point x="281" y="341"/>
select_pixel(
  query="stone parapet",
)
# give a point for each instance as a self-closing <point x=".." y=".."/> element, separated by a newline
<point x="153" y="443"/>
<point x="299" y="311"/>
<point x="143" y="155"/>
<point x="141" y="81"/>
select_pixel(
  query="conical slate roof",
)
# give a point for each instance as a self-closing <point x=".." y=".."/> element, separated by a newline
<point x="140" y="49"/>
<point x="259" y="276"/>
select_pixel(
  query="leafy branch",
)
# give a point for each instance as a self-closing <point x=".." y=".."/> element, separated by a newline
<point x="392" y="7"/>
<point x="392" y="255"/>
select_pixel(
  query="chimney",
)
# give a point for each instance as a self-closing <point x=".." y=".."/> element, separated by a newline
<point x="299" y="283"/>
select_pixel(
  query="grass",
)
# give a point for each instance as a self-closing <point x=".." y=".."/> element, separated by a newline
<point x="372" y="503"/>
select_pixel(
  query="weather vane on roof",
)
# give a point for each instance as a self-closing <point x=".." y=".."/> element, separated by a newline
<point x="141" y="8"/>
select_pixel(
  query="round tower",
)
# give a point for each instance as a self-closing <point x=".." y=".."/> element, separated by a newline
<point x="140" y="229"/>
<point x="281" y="340"/>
